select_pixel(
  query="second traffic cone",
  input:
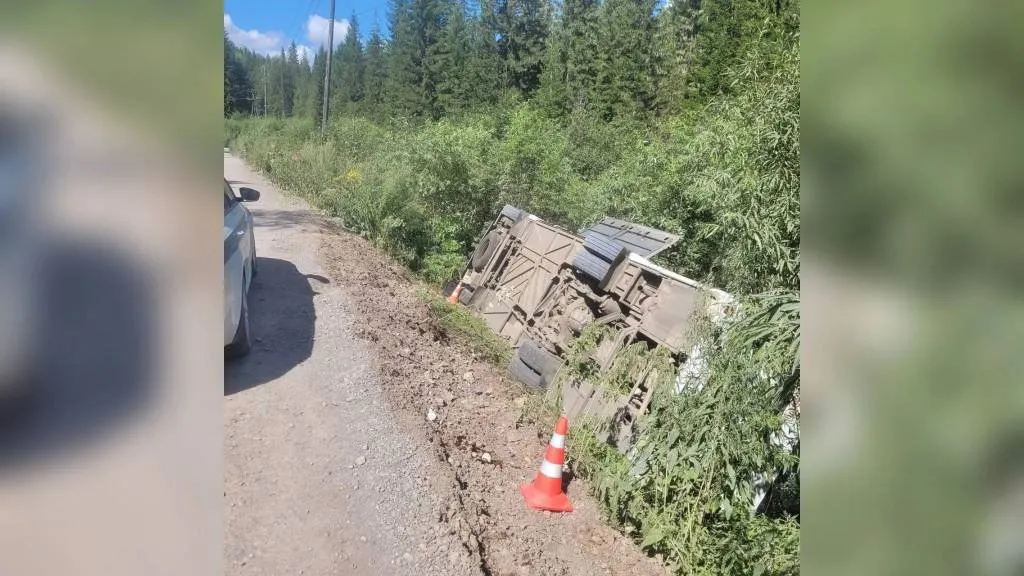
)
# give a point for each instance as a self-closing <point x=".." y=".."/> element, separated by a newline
<point x="454" y="298"/>
<point x="545" y="492"/>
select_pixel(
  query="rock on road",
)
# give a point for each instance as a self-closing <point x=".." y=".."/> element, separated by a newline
<point x="319" y="477"/>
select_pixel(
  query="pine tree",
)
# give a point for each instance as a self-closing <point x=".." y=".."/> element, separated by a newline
<point x="413" y="58"/>
<point x="347" y="89"/>
<point x="291" y="73"/>
<point x="523" y="29"/>
<point x="582" y="51"/>
<point x="428" y="18"/>
<point x="316" y="94"/>
<point x="305" y="88"/>
<point x="484" y="70"/>
<point x="625" y="73"/>
<point x="569" y="79"/>
<point x="280" y="85"/>
<point x="237" y="86"/>
<point x="252" y="64"/>
<point x="447" y="61"/>
<point x="676" y="35"/>
<point x="726" y="29"/>
<point x="553" y="94"/>
<point x="271" y="73"/>
<point x="375" y="76"/>
<point x="403" y="87"/>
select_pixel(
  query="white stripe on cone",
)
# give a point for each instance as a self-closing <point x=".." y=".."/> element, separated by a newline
<point x="558" y="441"/>
<point x="550" y="469"/>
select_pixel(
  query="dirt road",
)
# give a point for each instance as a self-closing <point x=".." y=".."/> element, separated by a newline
<point x="331" y="465"/>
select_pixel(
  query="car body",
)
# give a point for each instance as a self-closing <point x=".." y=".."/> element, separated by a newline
<point x="239" y="268"/>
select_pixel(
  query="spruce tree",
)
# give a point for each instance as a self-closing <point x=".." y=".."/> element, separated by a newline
<point x="305" y="89"/>
<point x="675" y="39"/>
<point x="291" y="79"/>
<point x="523" y="29"/>
<point x="428" y="18"/>
<point x="726" y="30"/>
<point x="252" y="64"/>
<point x="348" y="87"/>
<point x="403" y="87"/>
<point x="553" y="94"/>
<point x="316" y="93"/>
<point x="270" y="71"/>
<point x="580" y="24"/>
<point x="484" y="69"/>
<point x="375" y="76"/>
<point x="625" y="71"/>
<point x="569" y="79"/>
<point x="285" y="84"/>
<point x="447" y="61"/>
<point x="237" y="86"/>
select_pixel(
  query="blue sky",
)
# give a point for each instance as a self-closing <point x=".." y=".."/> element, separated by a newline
<point x="266" y="26"/>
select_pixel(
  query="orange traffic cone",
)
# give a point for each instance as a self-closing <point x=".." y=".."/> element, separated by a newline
<point x="454" y="298"/>
<point x="545" y="492"/>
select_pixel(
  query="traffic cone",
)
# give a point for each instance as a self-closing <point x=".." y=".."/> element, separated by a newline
<point x="454" y="298"/>
<point x="545" y="492"/>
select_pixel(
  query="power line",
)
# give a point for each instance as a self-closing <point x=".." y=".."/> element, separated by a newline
<point x="310" y="11"/>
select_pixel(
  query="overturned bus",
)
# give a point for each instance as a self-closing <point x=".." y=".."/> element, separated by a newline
<point x="540" y="287"/>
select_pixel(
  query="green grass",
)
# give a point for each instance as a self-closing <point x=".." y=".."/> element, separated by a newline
<point x="460" y="323"/>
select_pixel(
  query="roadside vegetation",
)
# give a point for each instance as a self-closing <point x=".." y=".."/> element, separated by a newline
<point x="683" y="117"/>
<point x="463" y="325"/>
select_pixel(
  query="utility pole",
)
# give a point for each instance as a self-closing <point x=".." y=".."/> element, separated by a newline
<point x="327" y="77"/>
<point x="265" y="93"/>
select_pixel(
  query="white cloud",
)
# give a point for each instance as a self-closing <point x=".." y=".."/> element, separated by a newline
<point x="267" y="43"/>
<point x="271" y="43"/>
<point x="317" y="28"/>
<point x="307" y="51"/>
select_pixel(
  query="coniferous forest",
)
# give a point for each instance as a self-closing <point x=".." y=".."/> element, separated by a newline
<point x="681" y="115"/>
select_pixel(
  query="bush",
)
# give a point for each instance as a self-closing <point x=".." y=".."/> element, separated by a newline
<point x="533" y="167"/>
<point x="686" y="489"/>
